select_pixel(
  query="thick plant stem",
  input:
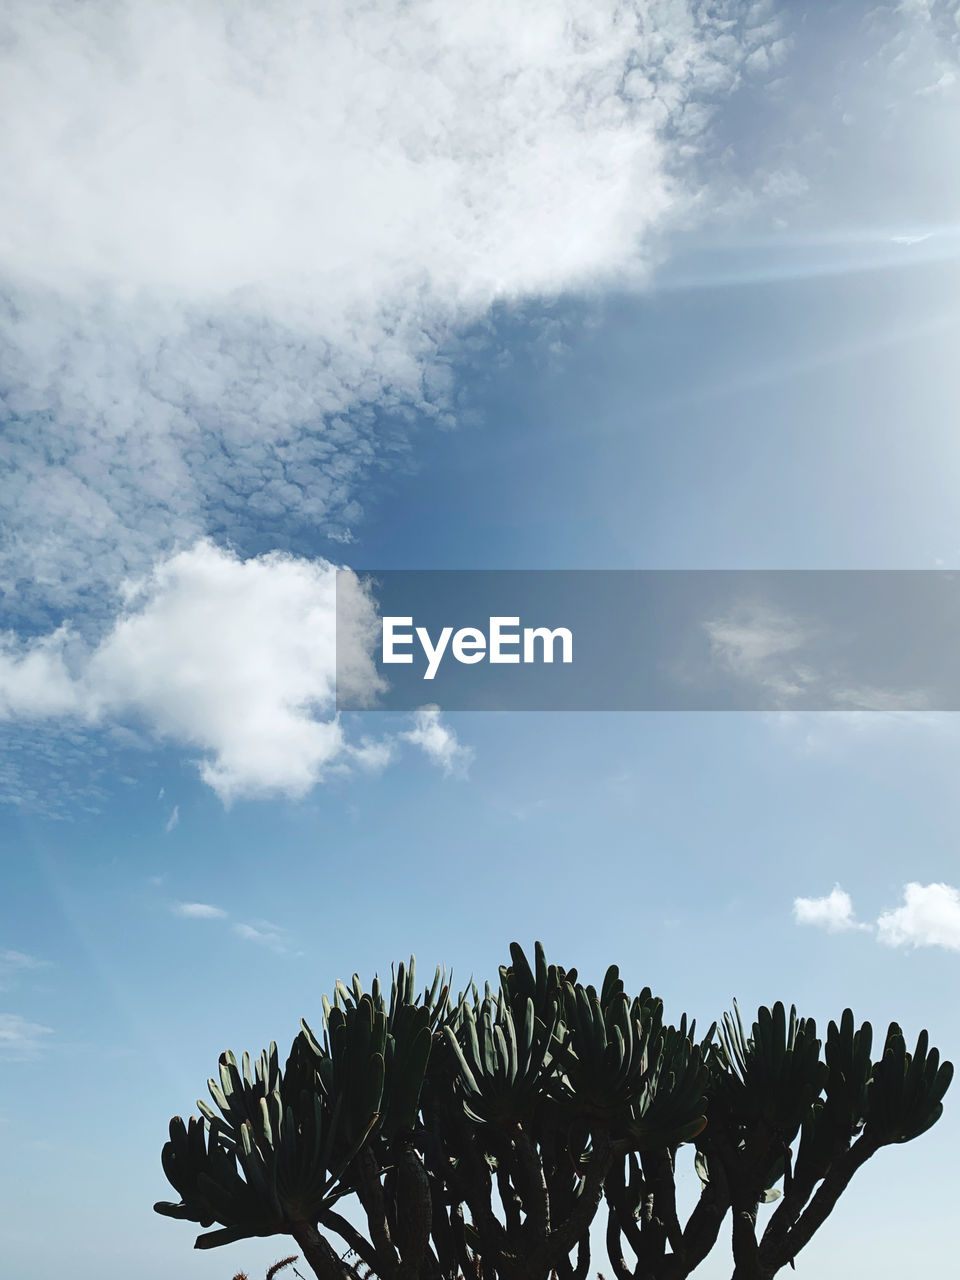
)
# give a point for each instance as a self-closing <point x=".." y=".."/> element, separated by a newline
<point x="319" y="1253"/>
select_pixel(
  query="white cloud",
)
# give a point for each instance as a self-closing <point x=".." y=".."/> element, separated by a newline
<point x="371" y="755"/>
<point x="13" y="964"/>
<point x="233" y="244"/>
<point x="438" y="741"/>
<point x="202" y="152"/>
<point x="199" y="911"/>
<point x="833" y="912"/>
<point x="20" y="1038"/>
<point x="229" y="231"/>
<point x="261" y="932"/>
<point x="234" y="658"/>
<point x="34" y="677"/>
<point x="173" y="820"/>
<point x="929" y="917"/>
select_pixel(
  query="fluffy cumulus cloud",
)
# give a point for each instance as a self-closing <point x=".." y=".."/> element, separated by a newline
<point x="928" y="917"/>
<point x="229" y="657"/>
<point x="234" y="238"/>
<point x="834" y="912"/>
<point x="232" y="659"/>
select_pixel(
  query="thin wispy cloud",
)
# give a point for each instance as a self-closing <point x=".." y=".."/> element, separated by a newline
<point x="16" y="964"/>
<point x="199" y="911"/>
<point x="438" y="742"/>
<point x="793" y="662"/>
<point x="763" y="646"/>
<point x="371" y="755"/>
<point x="263" y="934"/>
<point x="173" y="820"/>
<point x="21" y="1038"/>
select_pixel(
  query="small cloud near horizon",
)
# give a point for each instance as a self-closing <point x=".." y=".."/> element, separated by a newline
<point x="929" y="916"/>
<point x="833" y="912"/>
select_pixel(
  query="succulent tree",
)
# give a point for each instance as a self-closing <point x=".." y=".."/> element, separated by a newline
<point x="488" y="1136"/>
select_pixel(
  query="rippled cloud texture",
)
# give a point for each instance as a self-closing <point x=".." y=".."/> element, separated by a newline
<point x="235" y="235"/>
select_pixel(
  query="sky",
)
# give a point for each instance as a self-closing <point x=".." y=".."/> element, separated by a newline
<point x="289" y="287"/>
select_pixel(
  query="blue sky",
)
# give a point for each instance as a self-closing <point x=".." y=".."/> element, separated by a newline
<point x="540" y="294"/>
